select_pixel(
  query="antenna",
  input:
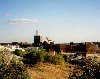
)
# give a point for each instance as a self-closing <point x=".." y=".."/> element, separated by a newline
<point x="37" y="32"/>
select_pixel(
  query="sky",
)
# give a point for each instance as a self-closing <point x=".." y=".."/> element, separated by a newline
<point x="62" y="21"/>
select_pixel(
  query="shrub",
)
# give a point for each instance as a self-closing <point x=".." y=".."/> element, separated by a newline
<point x="57" y="59"/>
<point x="91" y="70"/>
<point x="13" y="71"/>
<point x="19" y="53"/>
<point x="11" y="67"/>
<point x="48" y="58"/>
<point x="41" y="56"/>
<point x="34" y="57"/>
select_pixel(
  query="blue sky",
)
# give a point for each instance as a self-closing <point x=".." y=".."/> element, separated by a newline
<point x="60" y="20"/>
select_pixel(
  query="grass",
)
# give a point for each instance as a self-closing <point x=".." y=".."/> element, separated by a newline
<point x="51" y="71"/>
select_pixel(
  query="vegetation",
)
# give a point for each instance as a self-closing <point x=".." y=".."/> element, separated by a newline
<point x="11" y="67"/>
<point x="13" y="71"/>
<point x="57" y="59"/>
<point x="19" y="53"/>
<point x="51" y="71"/>
<point x="34" y="57"/>
<point x="91" y="69"/>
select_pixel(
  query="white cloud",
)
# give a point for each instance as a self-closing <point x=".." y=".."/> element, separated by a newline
<point x="7" y="14"/>
<point x="22" y="21"/>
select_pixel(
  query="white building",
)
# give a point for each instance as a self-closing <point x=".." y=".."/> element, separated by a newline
<point x="10" y="48"/>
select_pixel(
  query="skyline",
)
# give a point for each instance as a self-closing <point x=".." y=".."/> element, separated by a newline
<point x="61" y="20"/>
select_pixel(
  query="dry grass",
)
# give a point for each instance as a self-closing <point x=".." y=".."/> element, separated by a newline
<point x="50" y="71"/>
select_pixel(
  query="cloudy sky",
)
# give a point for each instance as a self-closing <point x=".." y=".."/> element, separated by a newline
<point x="60" y="20"/>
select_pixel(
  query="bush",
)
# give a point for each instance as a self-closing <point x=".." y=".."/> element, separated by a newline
<point x="56" y="59"/>
<point x="34" y="57"/>
<point x="13" y="71"/>
<point x="11" y="67"/>
<point x="41" y="56"/>
<point x="48" y="58"/>
<point x="19" y="53"/>
<point x="91" y="70"/>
